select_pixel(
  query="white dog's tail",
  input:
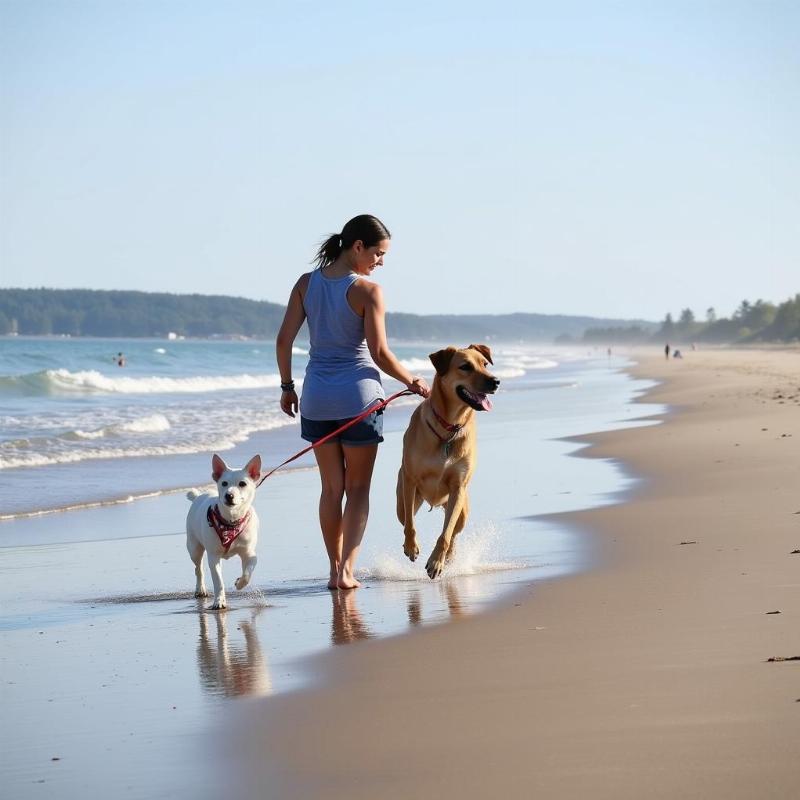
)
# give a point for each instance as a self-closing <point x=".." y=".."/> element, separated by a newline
<point x="193" y="494"/>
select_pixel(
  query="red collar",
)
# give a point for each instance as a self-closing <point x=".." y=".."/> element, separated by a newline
<point x="445" y="441"/>
<point x="450" y="428"/>
<point x="226" y="531"/>
<point x="453" y="430"/>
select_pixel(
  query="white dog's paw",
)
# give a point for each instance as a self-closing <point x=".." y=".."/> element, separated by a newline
<point x="201" y="593"/>
<point x="219" y="605"/>
<point x="241" y="582"/>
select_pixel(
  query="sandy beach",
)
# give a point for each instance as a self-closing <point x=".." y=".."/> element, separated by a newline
<point x="650" y="675"/>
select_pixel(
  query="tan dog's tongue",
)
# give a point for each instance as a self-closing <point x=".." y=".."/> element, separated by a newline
<point x="486" y="403"/>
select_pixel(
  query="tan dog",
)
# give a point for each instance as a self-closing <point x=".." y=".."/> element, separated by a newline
<point x="439" y="448"/>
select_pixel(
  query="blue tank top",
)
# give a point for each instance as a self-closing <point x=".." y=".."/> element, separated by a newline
<point x="341" y="378"/>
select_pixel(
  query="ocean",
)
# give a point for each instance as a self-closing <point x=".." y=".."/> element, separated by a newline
<point x="65" y="402"/>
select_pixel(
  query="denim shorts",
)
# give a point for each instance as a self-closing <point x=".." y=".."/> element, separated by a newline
<point x="368" y="431"/>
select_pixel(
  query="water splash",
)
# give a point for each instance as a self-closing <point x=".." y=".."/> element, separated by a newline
<point x="477" y="552"/>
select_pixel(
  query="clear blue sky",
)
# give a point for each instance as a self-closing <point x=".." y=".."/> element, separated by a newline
<point x="607" y="158"/>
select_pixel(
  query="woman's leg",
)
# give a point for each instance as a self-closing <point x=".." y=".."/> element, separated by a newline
<point x="359" y="462"/>
<point x="330" y="460"/>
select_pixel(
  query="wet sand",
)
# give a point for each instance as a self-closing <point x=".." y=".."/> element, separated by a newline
<point x="647" y="676"/>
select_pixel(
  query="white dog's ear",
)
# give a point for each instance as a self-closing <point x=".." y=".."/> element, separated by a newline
<point x="218" y="466"/>
<point x="441" y="359"/>
<point x="254" y="467"/>
<point x="484" y="350"/>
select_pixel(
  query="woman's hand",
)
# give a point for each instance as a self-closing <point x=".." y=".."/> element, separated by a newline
<point x="418" y="386"/>
<point x="289" y="402"/>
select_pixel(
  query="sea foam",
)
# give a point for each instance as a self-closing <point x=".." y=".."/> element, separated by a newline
<point x="154" y="423"/>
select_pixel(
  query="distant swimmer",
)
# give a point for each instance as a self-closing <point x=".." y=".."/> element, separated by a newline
<point x="120" y="360"/>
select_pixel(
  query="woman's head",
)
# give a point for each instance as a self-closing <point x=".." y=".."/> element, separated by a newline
<point x="365" y="236"/>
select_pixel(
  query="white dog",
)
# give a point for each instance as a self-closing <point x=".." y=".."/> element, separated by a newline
<point x="224" y="525"/>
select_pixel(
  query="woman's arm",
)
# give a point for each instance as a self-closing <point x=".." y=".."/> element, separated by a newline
<point x="292" y="322"/>
<point x="375" y="333"/>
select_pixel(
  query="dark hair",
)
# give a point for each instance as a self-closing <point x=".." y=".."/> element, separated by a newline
<point x="370" y="230"/>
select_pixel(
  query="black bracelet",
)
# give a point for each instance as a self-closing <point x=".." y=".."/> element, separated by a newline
<point x="288" y="386"/>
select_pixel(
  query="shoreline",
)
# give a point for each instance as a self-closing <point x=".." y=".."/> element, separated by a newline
<point x="123" y="499"/>
<point x="644" y="676"/>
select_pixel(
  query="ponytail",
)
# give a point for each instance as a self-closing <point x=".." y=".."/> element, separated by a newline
<point x="365" y="228"/>
<point x="328" y="251"/>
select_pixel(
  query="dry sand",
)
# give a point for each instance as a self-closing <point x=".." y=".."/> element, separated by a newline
<point x="645" y="677"/>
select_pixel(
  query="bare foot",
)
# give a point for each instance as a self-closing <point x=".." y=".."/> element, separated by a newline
<point x="348" y="583"/>
<point x="333" y="579"/>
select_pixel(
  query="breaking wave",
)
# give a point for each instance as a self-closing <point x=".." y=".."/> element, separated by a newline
<point x="152" y="435"/>
<point x="155" y="423"/>
<point x="507" y="365"/>
<point x="62" y="381"/>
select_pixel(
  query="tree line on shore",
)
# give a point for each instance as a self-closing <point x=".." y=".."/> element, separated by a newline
<point x="750" y="323"/>
<point x="85" y="312"/>
<point x="88" y="312"/>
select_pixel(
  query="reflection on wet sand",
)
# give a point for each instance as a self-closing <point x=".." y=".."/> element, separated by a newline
<point x="450" y="594"/>
<point x="453" y="597"/>
<point x="415" y="607"/>
<point x="228" y="668"/>
<point x="347" y="624"/>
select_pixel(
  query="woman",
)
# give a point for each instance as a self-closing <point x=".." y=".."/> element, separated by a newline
<point x="346" y="326"/>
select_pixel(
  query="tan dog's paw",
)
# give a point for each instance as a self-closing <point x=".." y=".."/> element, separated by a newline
<point x="411" y="548"/>
<point x="435" y="565"/>
<point x="241" y="582"/>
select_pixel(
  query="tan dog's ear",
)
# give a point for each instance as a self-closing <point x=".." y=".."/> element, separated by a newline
<point x="483" y="350"/>
<point x="441" y="359"/>
<point x="218" y="466"/>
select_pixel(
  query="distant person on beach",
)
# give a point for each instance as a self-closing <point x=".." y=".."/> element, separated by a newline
<point x="120" y="360"/>
<point x="345" y="314"/>
<point x="677" y="353"/>
<point x="666" y="351"/>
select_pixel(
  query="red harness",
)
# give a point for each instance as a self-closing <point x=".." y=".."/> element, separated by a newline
<point x="226" y="531"/>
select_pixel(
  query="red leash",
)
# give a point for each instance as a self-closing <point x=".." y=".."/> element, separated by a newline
<point x="362" y="415"/>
